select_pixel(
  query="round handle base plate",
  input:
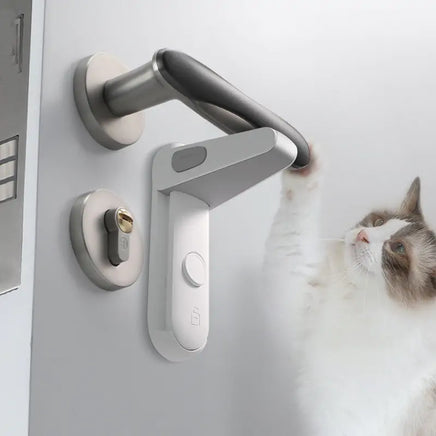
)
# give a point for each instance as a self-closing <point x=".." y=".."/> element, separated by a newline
<point x="111" y="131"/>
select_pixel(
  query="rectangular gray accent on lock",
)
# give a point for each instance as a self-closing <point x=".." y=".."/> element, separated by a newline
<point x="184" y="160"/>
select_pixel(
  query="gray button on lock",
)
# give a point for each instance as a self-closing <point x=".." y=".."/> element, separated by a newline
<point x="190" y="158"/>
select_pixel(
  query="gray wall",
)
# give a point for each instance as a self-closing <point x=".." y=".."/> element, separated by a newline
<point x="16" y="306"/>
<point x="356" y="77"/>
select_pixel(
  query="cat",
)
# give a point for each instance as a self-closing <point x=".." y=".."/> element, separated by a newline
<point x="361" y="311"/>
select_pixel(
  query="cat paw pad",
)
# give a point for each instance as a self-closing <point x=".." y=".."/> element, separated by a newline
<point x="308" y="178"/>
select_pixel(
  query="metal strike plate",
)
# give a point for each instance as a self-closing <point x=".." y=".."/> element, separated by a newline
<point x="15" y="18"/>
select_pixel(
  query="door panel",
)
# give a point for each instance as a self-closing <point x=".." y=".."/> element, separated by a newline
<point x="339" y="73"/>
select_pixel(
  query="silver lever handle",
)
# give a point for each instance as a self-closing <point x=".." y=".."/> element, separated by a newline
<point x="175" y="75"/>
<point x="110" y="99"/>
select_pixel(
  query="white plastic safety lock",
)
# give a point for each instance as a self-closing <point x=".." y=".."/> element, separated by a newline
<point x="188" y="181"/>
<point x="189" y="247"/>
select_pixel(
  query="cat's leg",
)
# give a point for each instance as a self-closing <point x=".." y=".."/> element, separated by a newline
<point x="293" y="254"/>
<point x="293" y="245"/>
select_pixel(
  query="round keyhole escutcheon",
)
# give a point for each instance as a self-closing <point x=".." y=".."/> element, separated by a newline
<point x="89" y="238"/>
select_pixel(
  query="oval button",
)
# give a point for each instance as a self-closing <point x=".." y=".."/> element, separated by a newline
<point x="194" y="269"/>
<point x="187" y="158"/>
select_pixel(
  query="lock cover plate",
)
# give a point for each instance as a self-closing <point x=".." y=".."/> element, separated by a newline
<point x="89" y="239"/>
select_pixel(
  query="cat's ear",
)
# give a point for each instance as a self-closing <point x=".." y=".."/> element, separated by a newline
<point x="411" y="205"/>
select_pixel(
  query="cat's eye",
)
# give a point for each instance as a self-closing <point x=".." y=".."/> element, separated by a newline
<point x="378" y="222"/>
<point x="398" y="247"/>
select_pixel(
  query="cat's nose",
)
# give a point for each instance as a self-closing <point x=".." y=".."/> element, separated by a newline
<point x="362" y="236"/>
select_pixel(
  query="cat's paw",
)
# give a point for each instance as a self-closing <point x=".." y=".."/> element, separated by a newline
<point x="306" y="179"/>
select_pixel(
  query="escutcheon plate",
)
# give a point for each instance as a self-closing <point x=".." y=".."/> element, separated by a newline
<point x="109" y="130"/>
<point x="89" y="239"/>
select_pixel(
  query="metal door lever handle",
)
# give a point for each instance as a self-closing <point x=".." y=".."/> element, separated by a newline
<point x="175" y="75"/>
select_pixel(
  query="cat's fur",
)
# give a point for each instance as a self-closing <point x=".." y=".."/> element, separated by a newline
<point x="362" y="311"/>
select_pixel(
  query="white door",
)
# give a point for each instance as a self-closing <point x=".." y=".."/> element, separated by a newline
<point x="356" y="78"/>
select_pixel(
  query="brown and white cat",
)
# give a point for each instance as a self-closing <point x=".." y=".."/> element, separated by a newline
<point x="362" y="313"/>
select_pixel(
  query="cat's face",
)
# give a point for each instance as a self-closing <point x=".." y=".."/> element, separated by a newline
<point x="397" y="249"/>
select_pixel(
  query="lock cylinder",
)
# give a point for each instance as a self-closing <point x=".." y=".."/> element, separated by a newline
<point x="119" y="225"/>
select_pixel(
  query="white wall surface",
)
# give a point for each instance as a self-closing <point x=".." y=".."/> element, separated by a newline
<point x="356" y="77"/>
<point x="16" y="306"/>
